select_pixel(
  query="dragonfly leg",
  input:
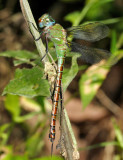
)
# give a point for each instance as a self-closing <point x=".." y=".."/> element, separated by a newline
<point x="46" y="39"/>
<point x="51" y="149"/>
<point x="36" y="39"/>
<point x="34" y="26"/>
<point x="52" y="94"/>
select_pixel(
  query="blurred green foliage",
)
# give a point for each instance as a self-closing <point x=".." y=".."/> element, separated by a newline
<point x="31" y="83"/>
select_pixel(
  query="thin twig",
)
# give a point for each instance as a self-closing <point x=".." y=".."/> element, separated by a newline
<point x="111" y="106"/>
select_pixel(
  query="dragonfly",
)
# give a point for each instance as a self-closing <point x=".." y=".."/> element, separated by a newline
<point x="91" y="32"/>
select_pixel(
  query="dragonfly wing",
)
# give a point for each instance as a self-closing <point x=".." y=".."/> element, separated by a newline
<point x="90" y="55"/>
<point x="89" y="32"/>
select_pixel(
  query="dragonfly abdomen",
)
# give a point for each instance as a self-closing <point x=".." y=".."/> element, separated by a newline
<point x="56" y="97"/>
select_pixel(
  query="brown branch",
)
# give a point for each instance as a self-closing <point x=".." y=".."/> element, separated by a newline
<point x="111" y="106"/>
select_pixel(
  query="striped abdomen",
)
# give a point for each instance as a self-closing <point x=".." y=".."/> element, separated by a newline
<point x="56" y="97"/>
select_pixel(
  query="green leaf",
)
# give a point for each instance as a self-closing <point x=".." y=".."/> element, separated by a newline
<point x="113" y="42"/>
<point x="19" y="62"/>
<point x="20" y="54"/>
<point x="4" y="127"/>
<point x="13" y="157"/>
<point x="119" y="54"/>
<point x="29" y="83"/>
<point x="41" y="101"/>
<point x="119" y="134"/>
<point x="34" y="144"/>
<point x="69" y="74"/>
<point x="103" y="144"/>
<point x="71" y="17"/>
<point x="12" y="105"/>
<point x="120" y="41"/>
<point x="112" y="20"/>
<point x="117" y="157"/>
<point x="49" y="158"/>
<point x="90" y="82"/>
<point x="4" y="134"/>
<point x="116" y="56"/>
<point x="21" y="57"/>
<point x="21" y="119"/>
<point x="96" y="11"/>
<point x="84" y="12"/>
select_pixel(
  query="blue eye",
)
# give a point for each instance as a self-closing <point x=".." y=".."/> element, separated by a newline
<point x="41" y="25"/>
<point x="50" y="23"/>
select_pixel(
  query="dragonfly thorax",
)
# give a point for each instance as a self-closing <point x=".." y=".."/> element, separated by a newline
<point x="45" y="21"/>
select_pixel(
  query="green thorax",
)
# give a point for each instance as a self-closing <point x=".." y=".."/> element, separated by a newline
<point x="57" y="35"/>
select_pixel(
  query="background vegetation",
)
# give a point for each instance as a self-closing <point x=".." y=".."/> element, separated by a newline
<point x="24" y="107"/>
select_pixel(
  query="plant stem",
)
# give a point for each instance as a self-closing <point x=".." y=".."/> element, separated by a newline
<point x="83" y="13"/>
<point x="69" y="139"/>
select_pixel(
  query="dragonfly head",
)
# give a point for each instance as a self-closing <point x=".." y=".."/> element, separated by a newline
<point x="46" y="21"/>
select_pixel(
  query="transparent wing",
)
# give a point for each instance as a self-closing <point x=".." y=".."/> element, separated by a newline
<point x="90" y="32"/>
<point x="88" y="54"/>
